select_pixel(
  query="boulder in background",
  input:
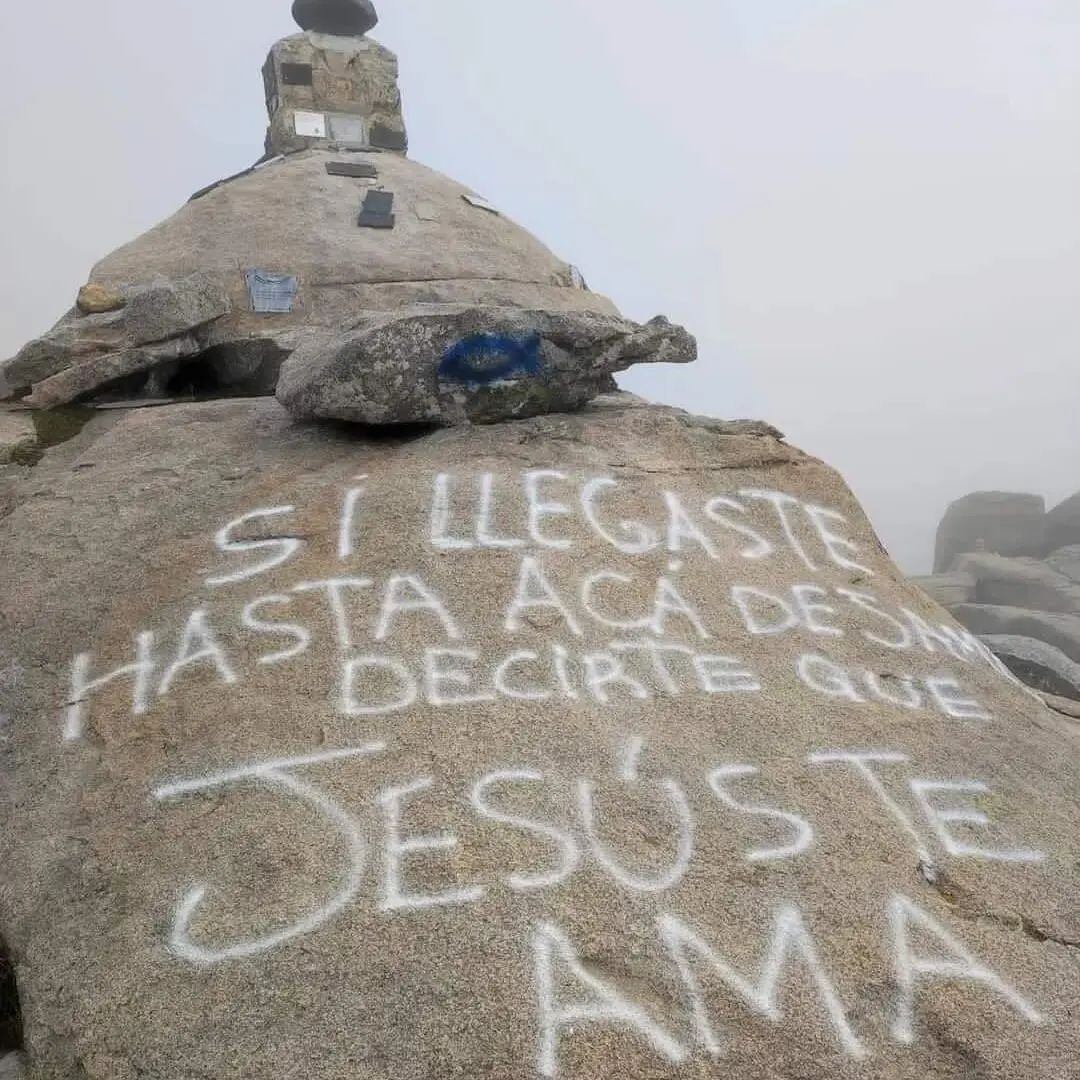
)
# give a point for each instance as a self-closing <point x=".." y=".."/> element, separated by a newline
<point x="1061" y="631"/>
<point x="1021" y="583"/>
<point x="999" y="522"/>
<point x="948" y="589"/>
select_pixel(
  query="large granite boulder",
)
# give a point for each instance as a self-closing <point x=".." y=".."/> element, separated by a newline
<point x="1037" y="663"/>
<point x="1061" y="631"/>
<point x="606" y="744"/>
<point x="1063" y="524"/>
<point x="999" y="522"/>
<point x="453" y="366"/>
<point x="1021" y="583"/>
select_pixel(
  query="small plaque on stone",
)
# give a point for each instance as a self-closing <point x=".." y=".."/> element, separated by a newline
<point x="377" y="211"/>
<point x="388" y="138"/>
<point x="271" y="293"/>
<point x="480" y="202"/>
<point x="346" y="128"/>
<point x="310" y="125"/>
<point x="296" y="74"/>
<point x="361" y="170"/>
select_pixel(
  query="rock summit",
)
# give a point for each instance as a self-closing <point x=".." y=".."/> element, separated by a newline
<point x="384" y="695"/>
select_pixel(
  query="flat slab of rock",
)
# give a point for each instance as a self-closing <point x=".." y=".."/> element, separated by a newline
<point x="948" y="589"/>
<point x="1021" y="583"/>
<point x="83" y="352"/>
<point x="1037" y="664"/>
<point x="474" y="365"/>
<point x="999" y="522"/>
<point x="1063" y="705"/>
<point x="1055" y="628"/>
<point x="606" y="745"/>
<point x="98" y="372"/>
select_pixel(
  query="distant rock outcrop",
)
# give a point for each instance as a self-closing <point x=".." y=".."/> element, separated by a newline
<point x="994" y="521"/>
<point x="1010" y="573"/>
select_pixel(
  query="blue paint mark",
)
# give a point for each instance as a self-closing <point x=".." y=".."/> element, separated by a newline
<point x="481" y="359"/>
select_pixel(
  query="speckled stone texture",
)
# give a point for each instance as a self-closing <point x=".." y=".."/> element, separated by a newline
<point x="478" y="365"/>
<point x="605" y="744"/>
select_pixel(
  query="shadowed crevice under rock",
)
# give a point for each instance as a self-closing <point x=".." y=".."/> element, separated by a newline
<point x="247" y="368"/>
<point x="11" y="1031"/>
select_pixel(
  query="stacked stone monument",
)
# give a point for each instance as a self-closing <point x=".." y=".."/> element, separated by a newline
<point x="338" y="242"/>
<point x="450" y="714"/>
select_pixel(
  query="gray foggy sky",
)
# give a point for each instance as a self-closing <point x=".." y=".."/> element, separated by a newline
<point x="867" y="210"/>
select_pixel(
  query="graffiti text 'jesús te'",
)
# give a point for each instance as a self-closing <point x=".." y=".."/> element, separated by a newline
<point x="566" y="821"/>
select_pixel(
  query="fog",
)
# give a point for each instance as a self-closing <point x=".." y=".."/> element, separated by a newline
<point x="867" y="210"/>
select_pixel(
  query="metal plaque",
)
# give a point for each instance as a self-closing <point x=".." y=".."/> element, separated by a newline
<point x="271" y="293"/>
<point x="377" y="211"/>
<point x="388" y="138"/>
<point x="376" y="221"/>
<point x="296" y="74"/>
<point x="346" y="128"/>
<point x="361" y="170"/>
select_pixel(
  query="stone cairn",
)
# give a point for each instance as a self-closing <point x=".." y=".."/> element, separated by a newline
<point x="501" y="329"/>
<point x="385" y="695"/>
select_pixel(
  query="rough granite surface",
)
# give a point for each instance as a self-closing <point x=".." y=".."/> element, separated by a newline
<point x="510" y="752"/>
<point x="461" y="365"/>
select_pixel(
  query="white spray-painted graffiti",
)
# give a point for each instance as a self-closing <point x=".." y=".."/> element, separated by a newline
<point x="602" y="631"/>
<point x="664" y="650"/>
<point x="575" y="846"/>
<point x="277" y="774"/>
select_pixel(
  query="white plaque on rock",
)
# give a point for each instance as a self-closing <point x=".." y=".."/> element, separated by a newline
<point x="310" y="125"/>
<point x="347" y="129"/>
